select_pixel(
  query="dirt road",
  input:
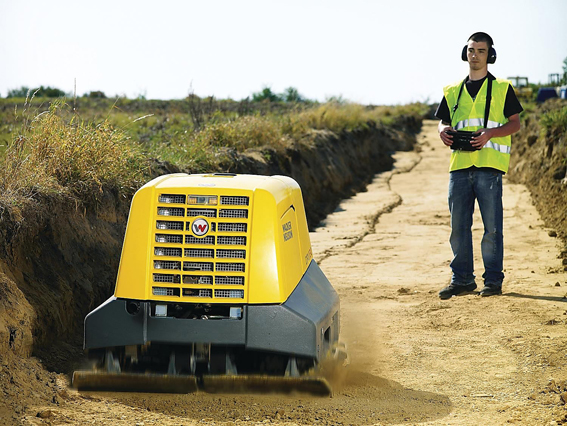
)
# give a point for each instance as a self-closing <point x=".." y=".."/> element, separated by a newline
<point x="414" y="358"/>
<point x="493" y="358"/>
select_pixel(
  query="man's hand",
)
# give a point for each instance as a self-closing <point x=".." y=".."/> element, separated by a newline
<point x="446" y="138"/>
<point x="512" y="126"/>
<point x="482" y="138"/>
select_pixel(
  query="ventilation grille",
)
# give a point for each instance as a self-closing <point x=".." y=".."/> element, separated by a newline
<point x="229" y="280"/>
<point x="233" y="213"/>
<point x="165" y="291"/>
<point x="198" y="292"/>
<point x="200" y="253"/>
<point x="206" y="267"/>
<point x="230" y="267"/>
<point x="197" y="279"/>
<point x="167" y="251"/>
<point x="198" y="266"/>
<point x="171" y="199"/>
<point x="201" y="212"/>
<point x="190" y="239"/>
<point x="165" y="238"/>
<point x="166" y="278"/>
<point x="164" y="264"/>
<point x="234" y="201"/>
<point x="229" y="294"/>
<point x="232" y="227"/>
<point x="170" y="211"/>
<point x="175" y="226"/>
<point x="231" y="241"/>
<point x="231" y="254"/>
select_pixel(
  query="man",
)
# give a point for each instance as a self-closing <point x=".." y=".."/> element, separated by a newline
<point x="488" y="107"/>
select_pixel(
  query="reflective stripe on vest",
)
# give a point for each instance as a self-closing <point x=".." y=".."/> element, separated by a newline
<point x="504" y="149"/>
<point x="476" y="122"/>
<point x="470" y="116"/>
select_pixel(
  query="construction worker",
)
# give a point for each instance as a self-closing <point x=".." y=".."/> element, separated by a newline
<point x="487" y="107"/>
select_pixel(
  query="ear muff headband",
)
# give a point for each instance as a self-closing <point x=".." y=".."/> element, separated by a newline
<point x="491" y="55"/>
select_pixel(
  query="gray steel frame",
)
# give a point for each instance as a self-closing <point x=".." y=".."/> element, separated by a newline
<point x="306" y="324"/>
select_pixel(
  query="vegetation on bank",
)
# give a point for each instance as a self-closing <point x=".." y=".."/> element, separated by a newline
<point x="69" y="158"/>
<point x="539" y="160"/>
<point x="76" y="148"/>
<point x="554" y="122"/>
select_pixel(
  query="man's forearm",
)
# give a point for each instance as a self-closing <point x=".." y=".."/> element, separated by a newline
<point x="507" y="129"/>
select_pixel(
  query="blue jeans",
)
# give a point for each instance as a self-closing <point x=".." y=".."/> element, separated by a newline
<point x="464" y="187"/>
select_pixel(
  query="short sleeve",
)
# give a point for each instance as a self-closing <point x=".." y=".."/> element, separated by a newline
<point x="512" y="105"/>
<point x="443" y="111"/>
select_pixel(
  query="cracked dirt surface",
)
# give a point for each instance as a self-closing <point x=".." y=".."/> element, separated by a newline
<point x="415" y="359"/>
<point x="500" y="359"/>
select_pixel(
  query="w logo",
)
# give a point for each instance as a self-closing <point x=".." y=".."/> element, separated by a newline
<point x="200" y="227"/>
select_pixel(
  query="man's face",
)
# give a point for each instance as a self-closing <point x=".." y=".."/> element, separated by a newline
<point x="477" y="54"/>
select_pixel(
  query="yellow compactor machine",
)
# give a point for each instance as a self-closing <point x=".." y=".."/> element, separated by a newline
<point x="217" y="290"/>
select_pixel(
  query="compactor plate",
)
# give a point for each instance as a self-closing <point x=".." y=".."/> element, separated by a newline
<point x="134" y="382"/>
<point x="166" y="383"/>
<point x="266" y="384"/>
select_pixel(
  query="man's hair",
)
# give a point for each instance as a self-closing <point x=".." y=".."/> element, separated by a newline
<point x="480" y="36"/>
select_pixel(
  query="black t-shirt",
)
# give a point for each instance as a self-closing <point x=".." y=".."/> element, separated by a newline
<point x="511" y="105"/>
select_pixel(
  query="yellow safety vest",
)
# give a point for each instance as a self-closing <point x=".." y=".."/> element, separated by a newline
<point x="470" y="116"/>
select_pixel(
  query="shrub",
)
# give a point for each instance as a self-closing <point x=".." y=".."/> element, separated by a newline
<point x="265" y="95"/>
<point x="96" y="94"/>
<point x="291" y="94"/>
<point x="22" y="92"/>
<point x="40" y="92"/>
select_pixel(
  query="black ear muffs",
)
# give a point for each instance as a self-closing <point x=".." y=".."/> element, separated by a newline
<point x="491" y="55"/>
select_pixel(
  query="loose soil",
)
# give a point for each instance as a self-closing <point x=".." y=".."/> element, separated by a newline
<point x="415" y="359"/>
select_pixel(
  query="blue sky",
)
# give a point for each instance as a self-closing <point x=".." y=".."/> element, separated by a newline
<point x="379" y="52"/>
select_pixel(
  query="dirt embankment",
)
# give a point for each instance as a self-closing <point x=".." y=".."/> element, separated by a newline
<point x="539" y="161"/>
<point x="59" y="260"/>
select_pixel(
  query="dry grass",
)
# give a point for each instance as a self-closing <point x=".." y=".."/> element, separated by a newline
<point x="277" y="130"/>
<point x="245" y="132"/>
<point x="57" y="152"/>
<point x="73" y="159"/>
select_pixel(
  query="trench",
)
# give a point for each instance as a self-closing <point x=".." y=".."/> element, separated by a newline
<point x="58" y="260"/>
